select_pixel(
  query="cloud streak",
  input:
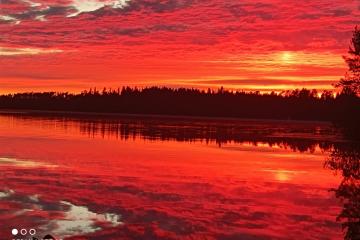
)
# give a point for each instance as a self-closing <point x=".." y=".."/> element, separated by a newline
<point x="26" y="51"/>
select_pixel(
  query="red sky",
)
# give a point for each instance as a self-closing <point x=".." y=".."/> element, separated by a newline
<point x="259" y="45"/>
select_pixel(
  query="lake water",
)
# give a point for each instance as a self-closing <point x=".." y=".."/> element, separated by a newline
<point x="81" y="177"/>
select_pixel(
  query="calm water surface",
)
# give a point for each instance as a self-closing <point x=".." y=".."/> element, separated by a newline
<point x="133" y="178"/>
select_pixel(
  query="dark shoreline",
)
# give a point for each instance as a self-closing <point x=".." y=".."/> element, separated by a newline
<point x="295" y="105"/>
<point x="153" y="116"/>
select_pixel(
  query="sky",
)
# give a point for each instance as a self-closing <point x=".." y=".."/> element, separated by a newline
<point x="72" y="45"/>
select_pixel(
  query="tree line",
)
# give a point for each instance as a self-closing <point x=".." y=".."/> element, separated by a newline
<point x="295" y="105"/>
<point x="301" y="104"/>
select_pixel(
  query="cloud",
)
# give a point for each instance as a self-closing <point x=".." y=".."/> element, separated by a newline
<point x="26" y="51"/>
<point x="36" y="14"/>
<point x="178" y="39"/>
<point x="32" y="4"/>
<point x="41" y="10"/>
<point x="9" y="19"/>
<point x="266" y="82"/>
<point x="83" y="6"/>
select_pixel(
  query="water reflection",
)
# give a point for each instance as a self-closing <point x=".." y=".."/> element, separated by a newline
<point x="62" y="219"/>
<point x="23" y="163"/>
<point x="297" y="136"/>
<point x="136" y="178"/>
<point x="345" y="160"/>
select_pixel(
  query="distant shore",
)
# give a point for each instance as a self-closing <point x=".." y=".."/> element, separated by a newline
<point x="295" y="106"/>
<point x="151" y="116"/>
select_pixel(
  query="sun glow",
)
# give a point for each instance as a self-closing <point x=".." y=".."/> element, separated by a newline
<point x="287" y="58"/>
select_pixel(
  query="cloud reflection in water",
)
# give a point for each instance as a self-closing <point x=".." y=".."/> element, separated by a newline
<point x="70" y="220"/>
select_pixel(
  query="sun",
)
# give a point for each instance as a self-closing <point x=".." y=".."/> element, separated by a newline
<point x="287" y="57"/>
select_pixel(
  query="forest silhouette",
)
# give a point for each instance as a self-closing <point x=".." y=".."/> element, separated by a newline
<point x="291" y="105"/>
<point x="304" y="104"/>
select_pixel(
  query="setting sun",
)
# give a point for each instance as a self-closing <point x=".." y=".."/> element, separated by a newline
<point x="287" y="57"/>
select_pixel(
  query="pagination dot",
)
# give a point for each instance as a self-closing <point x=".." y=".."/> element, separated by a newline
<point x="14" y="232"/>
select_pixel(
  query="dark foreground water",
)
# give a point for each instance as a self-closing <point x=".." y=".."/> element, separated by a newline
<point x="134" y="178"/>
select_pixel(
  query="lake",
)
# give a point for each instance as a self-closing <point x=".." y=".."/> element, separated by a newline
<point x="131" y="177"/>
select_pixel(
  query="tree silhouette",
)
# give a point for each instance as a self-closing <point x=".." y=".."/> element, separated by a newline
<point x="350" y="84"/>
<point x="296" y="104"/>
<point x="348" y="113"/>
<point x="346" y="161"/>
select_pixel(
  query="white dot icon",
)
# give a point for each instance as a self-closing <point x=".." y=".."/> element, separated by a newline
<point x="14" y="232"/>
